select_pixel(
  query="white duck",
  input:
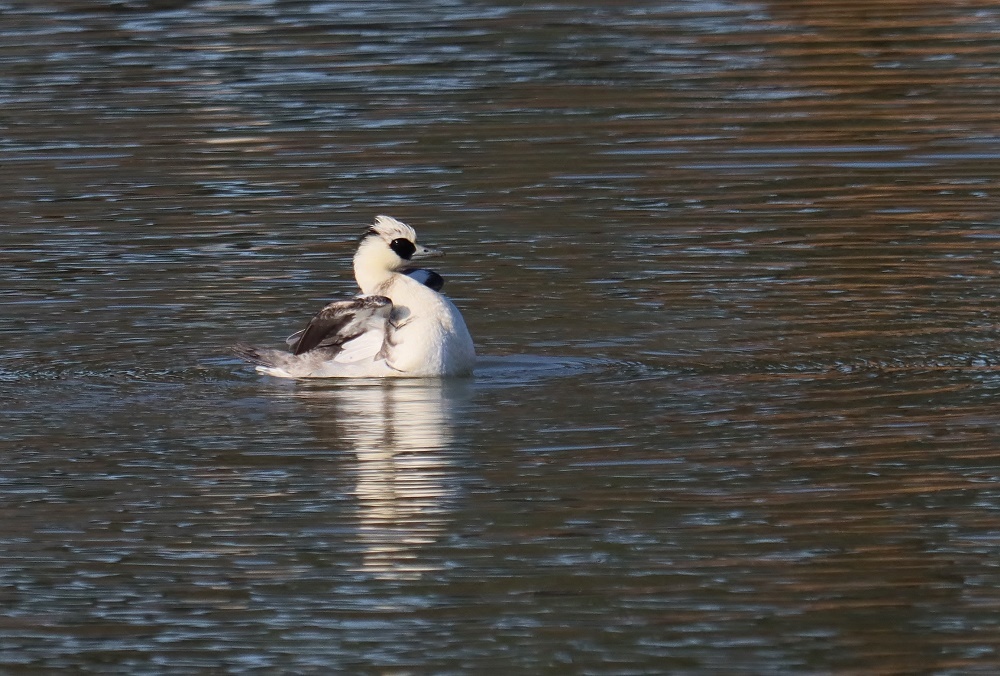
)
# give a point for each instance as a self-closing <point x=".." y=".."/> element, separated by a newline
<point x="400" y="326"/>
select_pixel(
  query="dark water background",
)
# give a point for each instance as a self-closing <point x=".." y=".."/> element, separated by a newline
<point x="731" y="268"/>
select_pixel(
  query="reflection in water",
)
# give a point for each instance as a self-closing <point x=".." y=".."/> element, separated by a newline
<point x="402" y="433"/>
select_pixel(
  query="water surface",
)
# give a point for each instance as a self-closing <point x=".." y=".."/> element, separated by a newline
<point x="731" y="269"/>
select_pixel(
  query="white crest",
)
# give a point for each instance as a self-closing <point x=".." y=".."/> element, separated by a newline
<point x="388" y="228"/>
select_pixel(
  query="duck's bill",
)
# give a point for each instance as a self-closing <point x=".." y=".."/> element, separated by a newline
<point x="425" y="252"/>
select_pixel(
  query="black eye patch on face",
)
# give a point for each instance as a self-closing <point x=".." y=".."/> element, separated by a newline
<point x="404" y="248"/>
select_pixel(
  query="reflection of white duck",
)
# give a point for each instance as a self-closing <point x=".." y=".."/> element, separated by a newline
<point x="402" y="434"/>
<point x="403" y="473"/>
<point x="399" y="326"/>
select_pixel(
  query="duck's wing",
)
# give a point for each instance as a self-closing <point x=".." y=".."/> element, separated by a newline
<point x="351" y="329"/>
<point x="428" y="278"/>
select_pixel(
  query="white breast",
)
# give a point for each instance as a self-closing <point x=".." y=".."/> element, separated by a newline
<point x="429" y="336"/>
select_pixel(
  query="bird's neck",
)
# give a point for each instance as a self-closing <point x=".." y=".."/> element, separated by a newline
<point x="368" y="276"/>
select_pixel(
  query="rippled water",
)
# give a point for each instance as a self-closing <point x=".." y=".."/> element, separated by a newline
<point x="731" y="268"/>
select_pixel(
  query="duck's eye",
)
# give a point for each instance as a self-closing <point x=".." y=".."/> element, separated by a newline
<point x="404" y="248"/>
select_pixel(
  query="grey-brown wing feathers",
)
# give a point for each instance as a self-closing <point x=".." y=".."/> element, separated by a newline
<point x="344" y="321"/>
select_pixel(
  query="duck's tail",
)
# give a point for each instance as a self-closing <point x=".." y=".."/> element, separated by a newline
<point x="271" y="362"/>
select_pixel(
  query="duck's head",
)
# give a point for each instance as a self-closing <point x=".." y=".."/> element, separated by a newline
<point x="387" y="247"/>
